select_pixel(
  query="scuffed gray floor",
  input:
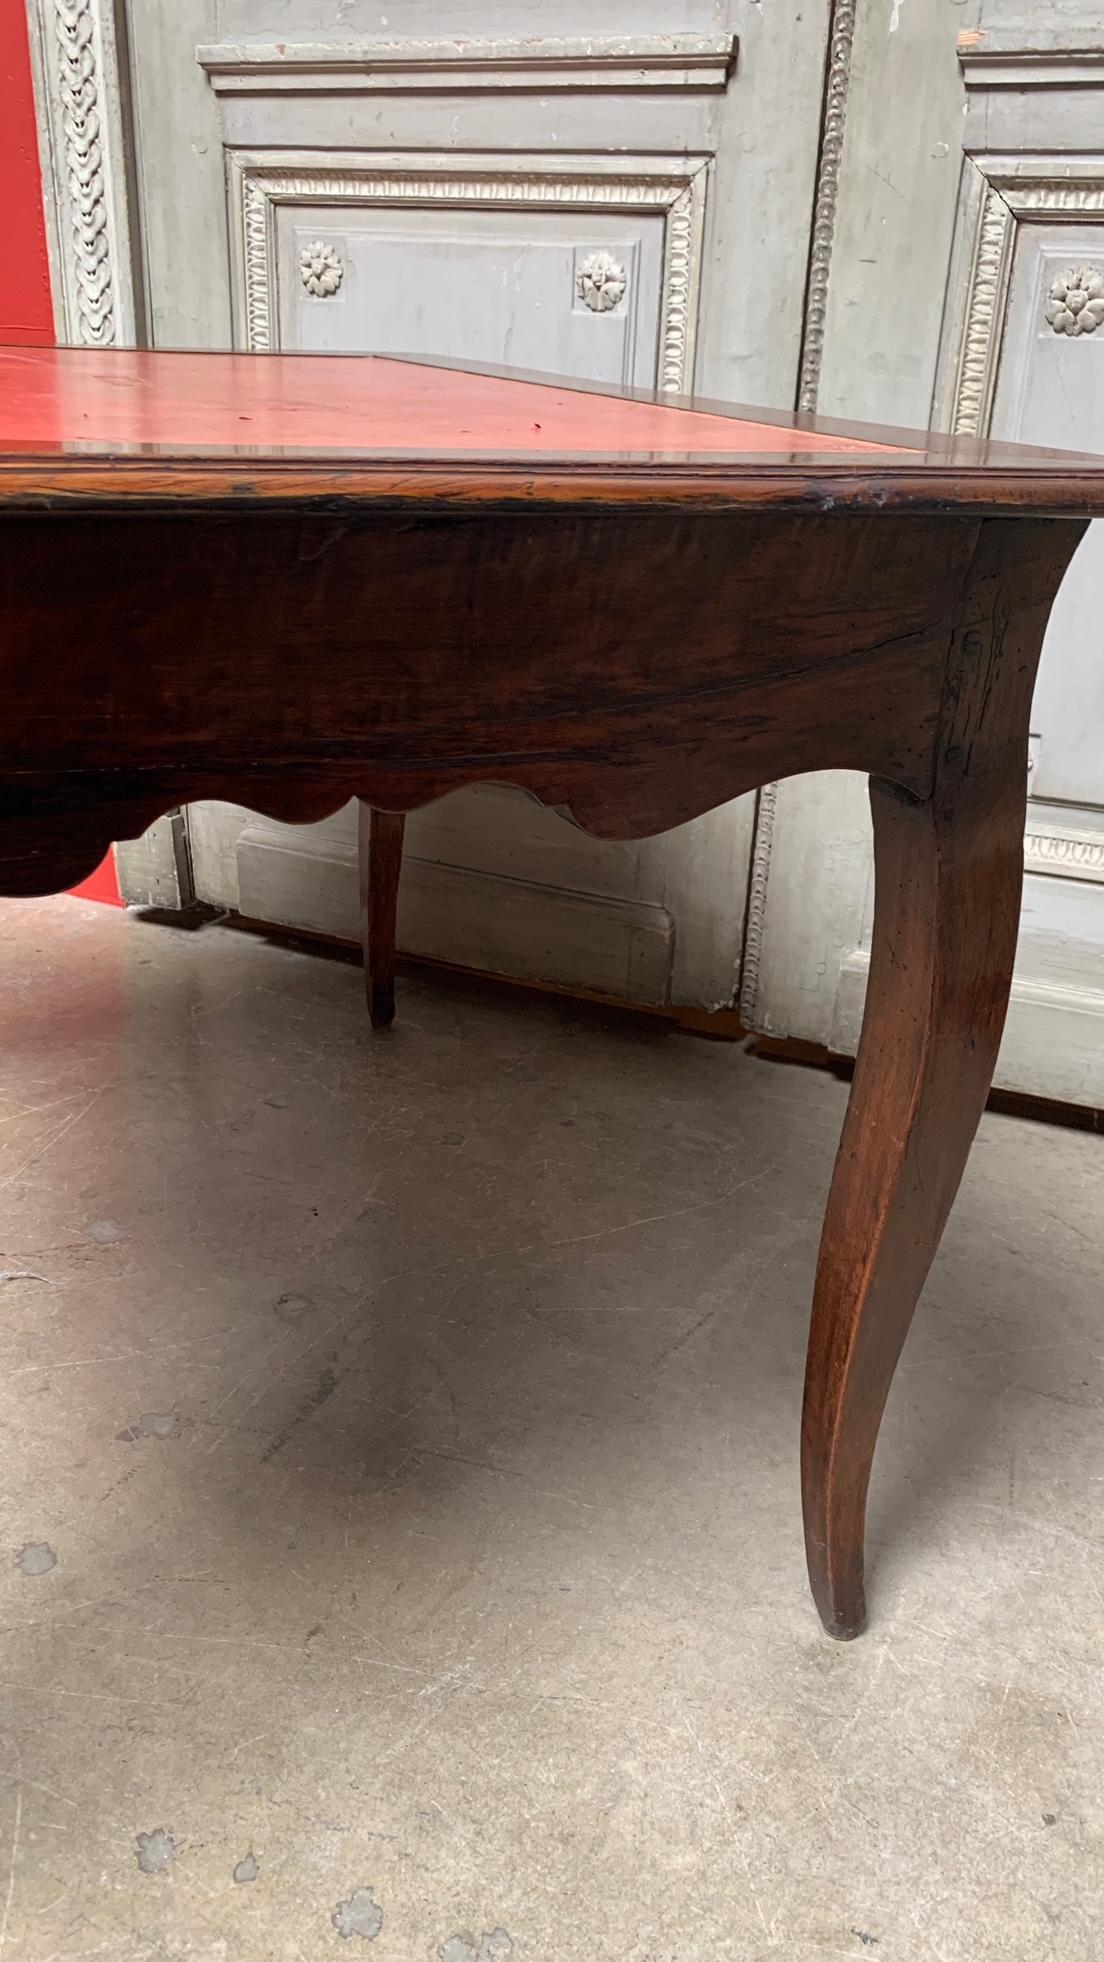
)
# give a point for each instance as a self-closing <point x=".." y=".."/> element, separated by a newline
<point x="399" y="1451"/>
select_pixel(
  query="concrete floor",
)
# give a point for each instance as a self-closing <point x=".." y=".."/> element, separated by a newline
<point x="400" y="1475"/>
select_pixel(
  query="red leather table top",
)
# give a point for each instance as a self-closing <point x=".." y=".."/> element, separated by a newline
<point x="121" y="401"/>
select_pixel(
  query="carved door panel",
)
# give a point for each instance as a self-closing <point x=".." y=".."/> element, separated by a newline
<point x="604" y="193"/>
<point x="971" y="288"/>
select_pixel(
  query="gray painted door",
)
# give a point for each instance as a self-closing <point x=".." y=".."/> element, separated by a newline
<point x="963" y="221"/>
<point x="590" y="190"/>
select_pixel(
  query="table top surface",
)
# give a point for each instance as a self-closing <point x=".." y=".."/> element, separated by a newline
<point x="115" y="423"/>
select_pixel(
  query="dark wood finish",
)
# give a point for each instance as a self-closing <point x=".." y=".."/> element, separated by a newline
<point x="634" y="638"/>
<point x="381" y="848"/>
<point x="636" y="668"/>
<point x="949" y="872"/>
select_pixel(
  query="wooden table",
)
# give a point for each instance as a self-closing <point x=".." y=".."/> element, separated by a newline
<point x="291" y="580"/>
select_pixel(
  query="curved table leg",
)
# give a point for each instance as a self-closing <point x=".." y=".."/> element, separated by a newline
<point x="946" y="916"/>
<point x="948" y="874"/>
<point x="381" y="846"/>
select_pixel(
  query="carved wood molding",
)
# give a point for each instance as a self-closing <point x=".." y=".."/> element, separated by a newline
<point x="755" y="924"/>
<point x="984" y="317"/>
<point x="1031" y="55"/>
<point x="1075" y="302"/>
<point x="668" y="61"/>
<point x="321" y="269"/>
<point x="999" y="194"/>
<point x="1047" y="187"/>
<point x="82" y="145"/>
<point x="827" y="196"/>
<point x="260" y="182"/>
<point x="601" y="282"/>
<point x="1065" y="852"/>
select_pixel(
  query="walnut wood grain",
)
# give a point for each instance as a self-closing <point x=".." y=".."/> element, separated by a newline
<point x="922" y="486"/>
<point x="949" y="872"/>
<point x="633" y="640"/>
<point x="636" y="668"/>
<point x="380" y="849"/>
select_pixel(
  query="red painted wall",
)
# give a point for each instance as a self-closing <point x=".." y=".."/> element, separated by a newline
<point x="26" y="311"/>
<point x="26" y="316"/>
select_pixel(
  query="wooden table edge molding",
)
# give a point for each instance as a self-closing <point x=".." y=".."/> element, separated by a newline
<point x="679" y="605"/>
<point x="48" y="482"/>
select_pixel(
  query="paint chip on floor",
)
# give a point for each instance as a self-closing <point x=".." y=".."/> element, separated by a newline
<point x="156" y="1850"/>
<point x="156" y="1423"/>
<point x="35" y="1558"/>
<point x="360" y="1915"/>
<point x="104" y="1232"/>
<point x="461" y="1948"/>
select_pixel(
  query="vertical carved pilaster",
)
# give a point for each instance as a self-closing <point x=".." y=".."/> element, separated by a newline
<point x="81" y="122"/>
<point x="757" y="903"/>
<point x="988" y="292"/>
<point x="841" y="41"/>
<point x="79" y="97"/>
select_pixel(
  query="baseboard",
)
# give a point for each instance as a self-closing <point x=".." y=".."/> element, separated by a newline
<point x="484" y="921"/>
<point x="1053" y="1045"/>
